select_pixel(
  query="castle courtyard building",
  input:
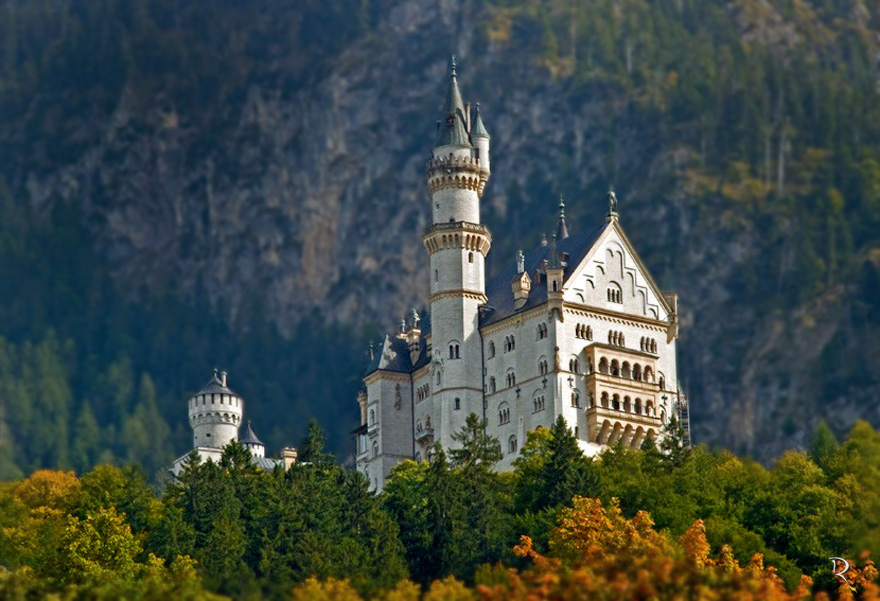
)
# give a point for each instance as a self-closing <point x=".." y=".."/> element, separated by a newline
<point x="575" y="327"/>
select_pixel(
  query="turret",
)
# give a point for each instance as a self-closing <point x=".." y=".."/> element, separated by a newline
<point x="480" y="139"/>
<point x="251" y="442"/>
<point x="521" y="284"/>
<point x="215" y="414"/>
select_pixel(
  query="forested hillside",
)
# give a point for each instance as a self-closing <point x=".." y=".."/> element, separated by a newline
<point x="185" y="186"/>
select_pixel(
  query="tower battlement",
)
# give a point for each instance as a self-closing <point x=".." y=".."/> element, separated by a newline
<point x="456" y="172"/>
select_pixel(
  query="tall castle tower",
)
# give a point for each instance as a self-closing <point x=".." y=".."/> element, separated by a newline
<point x="215" y="414"/>
<point x="457" y="244"/>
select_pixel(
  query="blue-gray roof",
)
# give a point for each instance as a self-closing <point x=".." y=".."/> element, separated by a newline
<point x="498" y="288"/>
<point x="265" y="463"/>
<point x="452" y="129"/>
<point x="214" y="386"/>
<point x="392" y="354"/>
<point x="248" y="436"/>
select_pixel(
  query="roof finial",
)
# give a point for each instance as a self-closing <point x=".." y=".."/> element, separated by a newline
<point x="452" y="67"/>
<point x="612" y="203"/>
<point x="215" y="372"/>
<point x="562" y="226"/>
<point x="554" y="255"/>
<point x="520" y="262"/>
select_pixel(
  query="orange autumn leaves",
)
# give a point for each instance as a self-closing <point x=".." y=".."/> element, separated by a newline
<point x="598" y="554"/>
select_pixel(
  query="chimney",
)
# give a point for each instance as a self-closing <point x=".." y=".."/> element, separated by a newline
<point x="223" y="378"/>
<point x="288" y="457"/>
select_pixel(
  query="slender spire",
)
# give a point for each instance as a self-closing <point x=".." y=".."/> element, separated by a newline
<point x="452" y="131"/>
<point x="479" y="130"/>
<point x="562" y="226"/>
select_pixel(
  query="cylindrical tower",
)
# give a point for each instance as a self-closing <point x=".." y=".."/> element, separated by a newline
<point x="215" y="414"/>
<point x="457" y="244"/>
<point x="250" y="441"/>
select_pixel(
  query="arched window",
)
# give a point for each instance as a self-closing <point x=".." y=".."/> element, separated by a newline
<point x="603" y="365"/>
<point x="637" y="372"/>
<point x="638" y="406"/>
<point x="428" y="423"/>
<point x="575" y="399"/>
<point x="614" y="293"/>
<point x="615" y="367"/>
<point x="511" y="379"/>
<point x="615" y="402"/>
<point x="543" y="368"/>
<point x="372" y="416"/>
<point x="542" y="331"/>
<point x="491" y="349"/>
<point x="457" y="403"/>
<point x="625" y="370"/>
<point x="438" y="378"/>
<point x="662" y="382"/>
<point x="453" y="351"/>
<point x="436" y="276"/>
<point x="375" y="449"/>
<point x="492" y="386"/>
<point x="574" y="366"/>
<point x="419" y="427"/>
<point x="470" y="258"/>
<point x="627" y="404"/>
<point x="649" y="408"/>
<point x="503" y="414"/>
<point x="511" y="445"/>
<point x="604" y="400"/>
<point x="591" y="401"/>
<point x="577" y="432"/>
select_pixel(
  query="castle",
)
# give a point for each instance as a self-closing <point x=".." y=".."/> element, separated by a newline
<point x="215" y="415"/>
<point x="576" y="327"/>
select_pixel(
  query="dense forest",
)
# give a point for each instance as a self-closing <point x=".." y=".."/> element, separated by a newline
<point x="186" y="186"/>
<point x="674" y="521"/>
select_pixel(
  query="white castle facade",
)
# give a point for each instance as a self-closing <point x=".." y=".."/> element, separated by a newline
<point x="576" y="327"/>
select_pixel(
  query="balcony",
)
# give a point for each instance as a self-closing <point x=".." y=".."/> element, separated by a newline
<point x="425" y="436"/>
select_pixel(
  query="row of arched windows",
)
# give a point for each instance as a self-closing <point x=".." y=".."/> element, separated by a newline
<point x="542" y="331"/>
<point x="584" y="332"/>
<point x="627" y="405"/>
<point x="624" y="370"/>
<point x="422" y="392"/>
<point x="616" y="338"/>
<point x="216" y="417"/>
<point x="427" y="426"/>
<point x="649" y="345"/>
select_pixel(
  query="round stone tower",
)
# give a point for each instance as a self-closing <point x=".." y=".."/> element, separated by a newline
<point x="215" y="414"/>
<point x="457" y="243"/>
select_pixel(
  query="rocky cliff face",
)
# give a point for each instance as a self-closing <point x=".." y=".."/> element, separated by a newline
<point x="305" y="198"/>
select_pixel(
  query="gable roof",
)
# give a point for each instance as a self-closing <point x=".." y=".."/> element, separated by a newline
<point x="498" y="289"/>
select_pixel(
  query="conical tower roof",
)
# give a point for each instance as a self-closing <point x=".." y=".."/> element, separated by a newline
<point x="249" y="437"/>
<point x="452" y="131"/>
<point x="479" y="130"/>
